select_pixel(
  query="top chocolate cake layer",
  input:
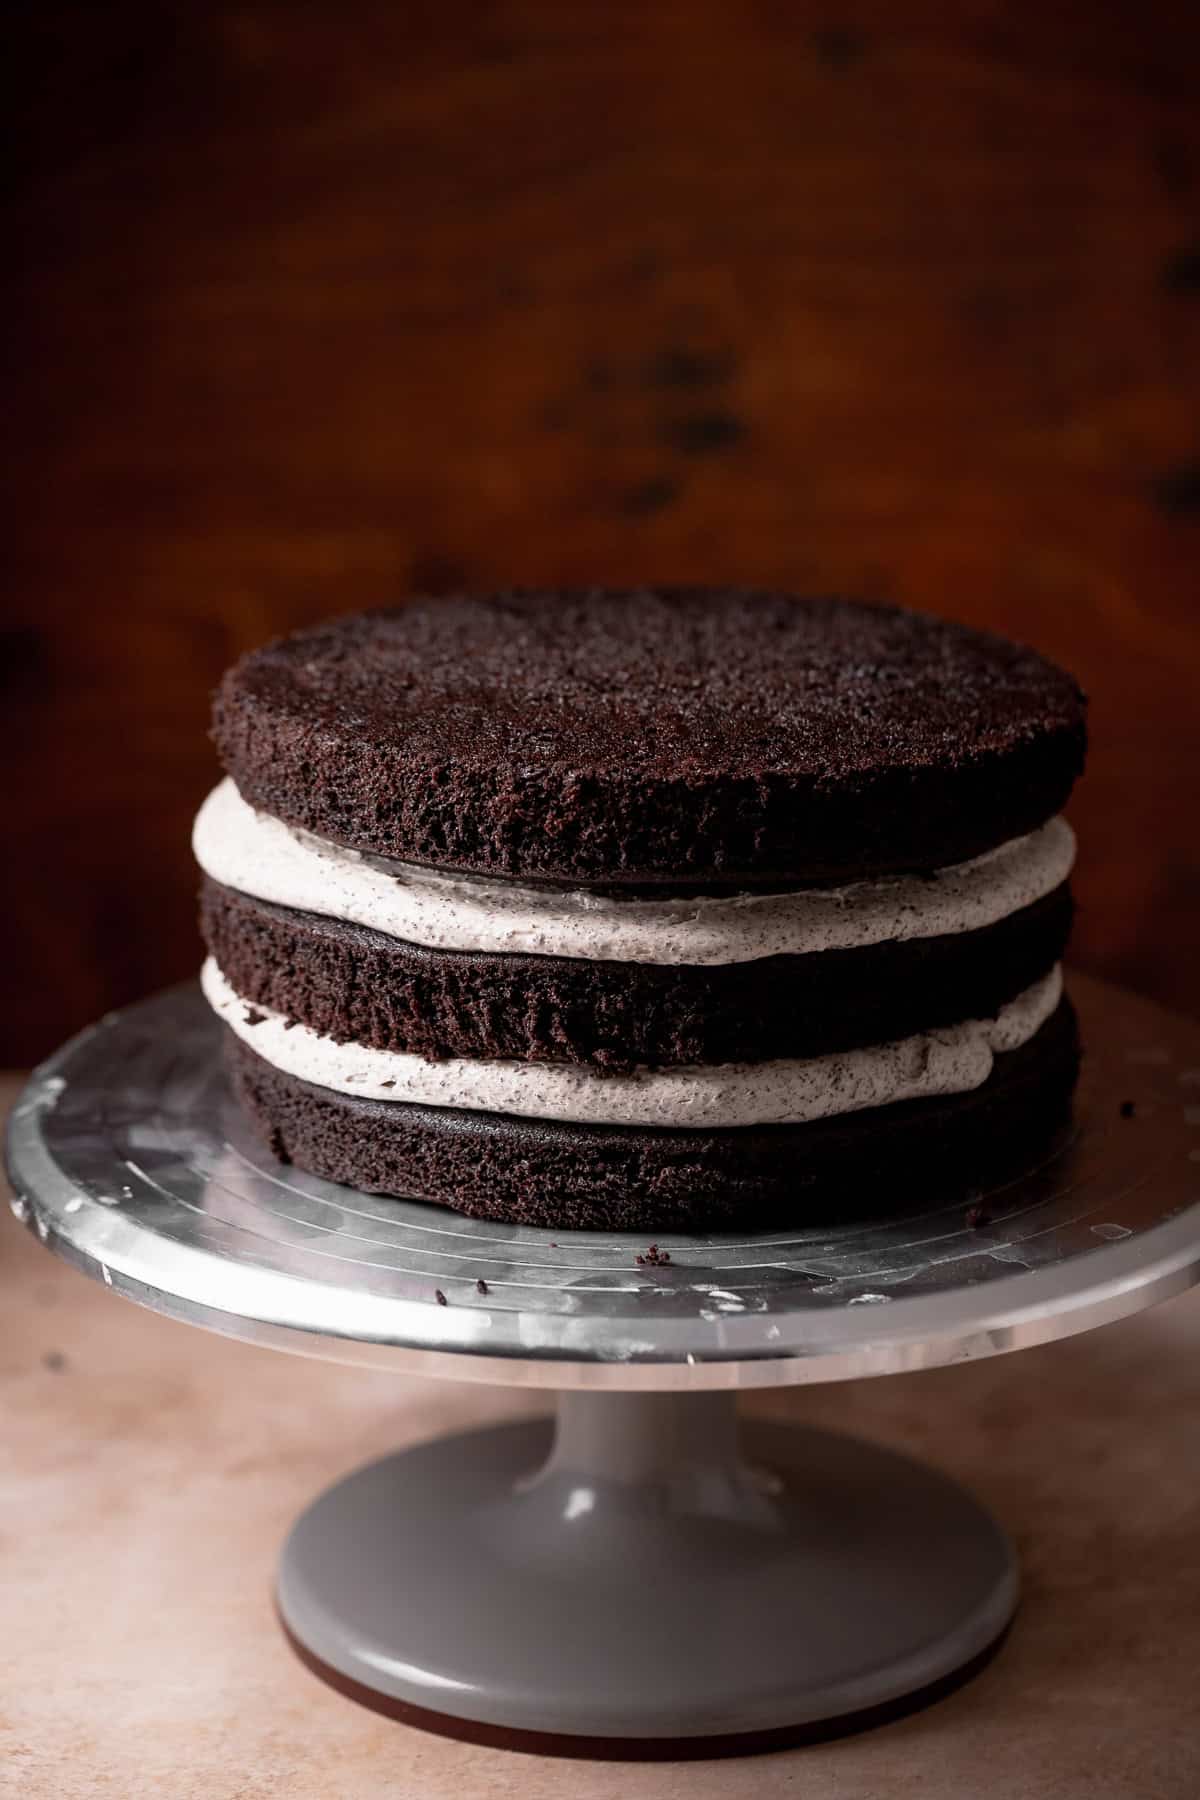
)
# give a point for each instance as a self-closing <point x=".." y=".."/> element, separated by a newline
<point x="657" y="737"/>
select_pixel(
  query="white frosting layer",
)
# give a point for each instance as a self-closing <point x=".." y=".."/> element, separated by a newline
<point x="259" y="855"/>
<point x="792" y="1092"/>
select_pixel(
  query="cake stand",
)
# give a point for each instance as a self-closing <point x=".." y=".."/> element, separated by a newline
<point x="636" y="1577"/>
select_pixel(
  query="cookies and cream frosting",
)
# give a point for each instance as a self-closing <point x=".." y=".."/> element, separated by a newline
<point x="951" y="1060"/>
<point x="261" y="856"/>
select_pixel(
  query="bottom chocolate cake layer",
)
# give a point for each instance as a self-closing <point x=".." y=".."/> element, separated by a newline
<point x="618" y="1178"/>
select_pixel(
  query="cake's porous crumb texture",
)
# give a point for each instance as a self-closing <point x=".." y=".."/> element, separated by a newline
<point x="358" y="986"/>
<point x="657" y="736"/>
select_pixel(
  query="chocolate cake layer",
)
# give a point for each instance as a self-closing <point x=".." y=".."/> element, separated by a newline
<point x="565" y="1176"/>
<point x="669" y="736"/>
<point x="359" y="986"/>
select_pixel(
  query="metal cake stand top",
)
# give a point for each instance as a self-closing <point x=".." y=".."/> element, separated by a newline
<point x="128" y="1157"/>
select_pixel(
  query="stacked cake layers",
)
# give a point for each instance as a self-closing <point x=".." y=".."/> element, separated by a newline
<point x="644" y="910"/>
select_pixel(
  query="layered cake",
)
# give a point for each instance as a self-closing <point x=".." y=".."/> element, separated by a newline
<point x="645" y="910"/>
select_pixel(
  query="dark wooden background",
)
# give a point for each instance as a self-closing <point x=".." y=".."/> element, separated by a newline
<point x="315" y="305"/>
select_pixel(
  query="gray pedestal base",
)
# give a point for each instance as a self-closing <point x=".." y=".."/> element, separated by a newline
<point x="630" y="1576"/>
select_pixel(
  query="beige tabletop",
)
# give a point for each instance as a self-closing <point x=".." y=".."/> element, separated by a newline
<point x="151" y="1471"/>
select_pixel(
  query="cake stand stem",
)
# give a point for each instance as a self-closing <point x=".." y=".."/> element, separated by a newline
<point x="667" y="1441"/>
<point x="633" y="1579"/>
